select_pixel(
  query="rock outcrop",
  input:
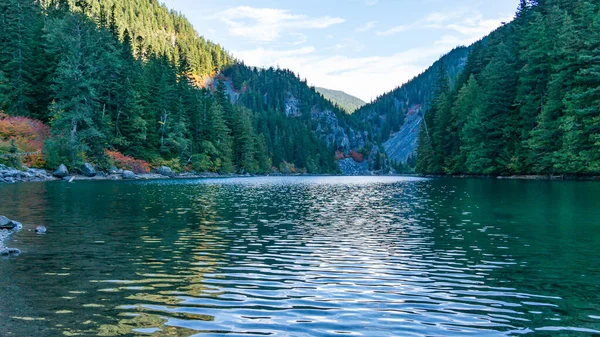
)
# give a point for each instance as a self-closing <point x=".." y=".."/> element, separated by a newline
<point x="403" y="144"/>
<point x="12" y="175"/>
<point x="349" y="166"/>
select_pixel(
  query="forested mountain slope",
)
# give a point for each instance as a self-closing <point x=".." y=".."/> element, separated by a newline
<point x="393" y="119"/>
<point x="528" y="100"/>
<point x="117" y="80"/>
<point x="345" y="101"/>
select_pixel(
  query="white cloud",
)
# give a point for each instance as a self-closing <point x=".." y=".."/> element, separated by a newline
<point x="469" y="25"/>
<point x="366" y="27"/>
<point x="362" y="76"/>
<point x="369" y="76"/>
<point x="371" y="2"/>
<point x="268" y="24"/>
<point x="300" y="39"/>
<point x="394" y="30"/>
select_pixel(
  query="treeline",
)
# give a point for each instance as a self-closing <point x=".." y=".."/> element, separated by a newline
<point x="129" y="76"/>
<point x="528" y="100"/>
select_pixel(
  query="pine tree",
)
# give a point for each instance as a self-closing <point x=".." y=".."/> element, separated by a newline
<point x="463" y="111"/>
<point x="17" y="19"/>
<point x="75" y="111"/>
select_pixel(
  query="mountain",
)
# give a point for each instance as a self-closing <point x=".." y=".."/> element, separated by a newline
<point x="527" y="101"/>
<point x="130" y="83"/>
<point x="345" y="101"/>
<point x="393" y="119"/>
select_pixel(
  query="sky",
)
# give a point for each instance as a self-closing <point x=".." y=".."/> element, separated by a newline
<point x="362" y="47"/>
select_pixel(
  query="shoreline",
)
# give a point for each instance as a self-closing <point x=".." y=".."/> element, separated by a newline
<point x="537" y="177"/>
<point x="10" y="175"/>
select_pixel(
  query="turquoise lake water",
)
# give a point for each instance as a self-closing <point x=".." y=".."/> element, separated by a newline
<point x="303" y="256"/>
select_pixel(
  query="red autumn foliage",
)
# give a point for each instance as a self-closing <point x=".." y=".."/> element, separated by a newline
<point x="128" y="163"/>
<point x="29" y="134"/>
<point x="339" y="155"/>
<point x="358" y="157"/>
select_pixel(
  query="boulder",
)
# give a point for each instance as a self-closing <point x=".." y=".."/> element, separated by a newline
<point x="113" y="170"/>
<point x="61" y="171"/>
<point x="165" y="171"/>
<point x="6" y="223"/>
<point x="129" y="175"/>
<point x="88" y="170"/>
<point x="40" y="229"/>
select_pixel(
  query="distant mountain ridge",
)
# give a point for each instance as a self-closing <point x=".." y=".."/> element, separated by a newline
<point x="345" y="101"/>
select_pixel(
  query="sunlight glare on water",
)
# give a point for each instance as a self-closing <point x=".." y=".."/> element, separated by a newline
<point x="303" y="256"/>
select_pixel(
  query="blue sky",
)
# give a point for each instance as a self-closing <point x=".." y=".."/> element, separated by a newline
<point x="363" y="47"/>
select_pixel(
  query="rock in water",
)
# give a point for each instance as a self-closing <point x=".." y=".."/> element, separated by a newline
<point x="165" y="171"/>
<point x="40" y="229"/>
<point x="61" y="171"/>
<point x="9" y="251"/>
<point x="129" y="175"/>
<point x="6" y="223"/>
<point x="88" y="170"/>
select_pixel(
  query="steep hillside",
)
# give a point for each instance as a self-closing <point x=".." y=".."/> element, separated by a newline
<point x="280" y="95"/>
<point x="393" y="119"/>
<point x="122" y="79"/>
<point x="528" y="100"/>
<point x="345" y="101"/>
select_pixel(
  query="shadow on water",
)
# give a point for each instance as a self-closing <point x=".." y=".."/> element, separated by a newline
<point x="377" y="256"/>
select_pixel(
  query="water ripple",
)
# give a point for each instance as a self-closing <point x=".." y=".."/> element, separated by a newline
<point x="322" y="257"/>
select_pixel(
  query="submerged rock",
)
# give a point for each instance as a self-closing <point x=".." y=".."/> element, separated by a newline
<point x="40" y="229"/>
<point x="129" y="175"/>
<point x="9" y="251"/>
<point x="61" y="171"/>
<point x="88" y="170"/>
<point x="165" y="171"/>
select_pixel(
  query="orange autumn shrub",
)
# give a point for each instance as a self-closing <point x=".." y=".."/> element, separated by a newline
<point x="28" y="136"/>
<point x="128" y="163"/>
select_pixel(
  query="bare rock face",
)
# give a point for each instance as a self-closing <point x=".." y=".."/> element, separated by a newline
<point x="350" y="167"/>
<point x="88" y="170"/>
<point x="61" y="171"/>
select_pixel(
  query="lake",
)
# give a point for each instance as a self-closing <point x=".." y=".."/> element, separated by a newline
<point x="303" y="256"/>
